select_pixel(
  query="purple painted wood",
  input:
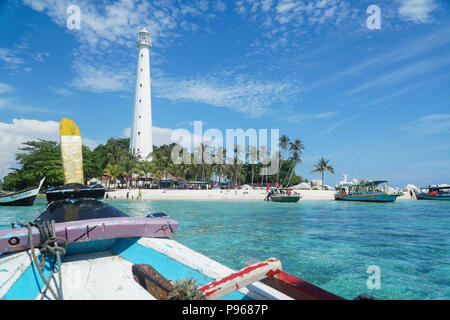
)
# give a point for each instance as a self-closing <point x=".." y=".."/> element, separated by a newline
<point x="12" y="240"/>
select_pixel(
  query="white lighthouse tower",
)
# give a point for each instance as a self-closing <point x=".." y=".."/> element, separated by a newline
<point x="141" y="142"/>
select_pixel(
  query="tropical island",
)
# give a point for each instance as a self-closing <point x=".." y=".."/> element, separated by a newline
<point x="114" y="166"/>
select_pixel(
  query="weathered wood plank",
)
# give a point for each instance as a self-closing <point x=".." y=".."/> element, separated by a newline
<point x="242" y="278"/>
<point x="297" y="288"/>
<point x="152" y="281"/>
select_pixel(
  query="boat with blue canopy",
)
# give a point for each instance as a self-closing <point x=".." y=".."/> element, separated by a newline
<point x="366" y="191"/>
<point x="434" y="193"/>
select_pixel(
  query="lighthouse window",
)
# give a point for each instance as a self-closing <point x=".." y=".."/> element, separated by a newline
<point x="141" y="69"/>
<point x="139" y="100"/>
<point x="141" y="84"/>
<point x="142" y="55"/>
<point x="139" y="133"/>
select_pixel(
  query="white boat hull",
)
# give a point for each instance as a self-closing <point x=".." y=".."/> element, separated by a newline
<point x="107" y="274"/>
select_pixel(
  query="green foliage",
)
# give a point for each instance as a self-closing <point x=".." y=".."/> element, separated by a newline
<point x="37" y="159"/>
<point x="323" y="166"/>
<point x="42" y="158"/>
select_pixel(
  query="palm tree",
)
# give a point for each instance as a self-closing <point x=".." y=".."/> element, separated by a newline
<point x="114" y="171"/>
<point x="130" y="164"/>
<point x="264" y="159"/>
<point x="296" y="150"/>
<point x="252" y="155"/>
<point x="144" y="168"/>
<point x="322" y="166"/>
<point x="284" y="143"/>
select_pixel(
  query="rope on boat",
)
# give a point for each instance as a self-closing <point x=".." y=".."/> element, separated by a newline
<point x="51" y="246"/>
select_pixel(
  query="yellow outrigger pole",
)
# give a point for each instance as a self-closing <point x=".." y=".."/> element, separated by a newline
<point x="71" y="152"/>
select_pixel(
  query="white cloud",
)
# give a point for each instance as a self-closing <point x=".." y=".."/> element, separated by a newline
<point x="163" y="136"/>
<point x="428" y="125"/>
<point x="13" y="134"/>
<point x="9" y="58"/>
<point x="405" y="73"/>
<point x="60" y="91"/>
<point x="4" y="88"/>
<point x="404" y="51"/>
<point x="39" y="56"/>
<point x="338" y="124"/>
<point x="108" y="33"/>
<point x="291" y="17"/>
<point x="220" y="6"/>
<point x="160" y="136"/>
<point x="239" y="93"/>
<point x="100" y="79"/>
<point x="299" y="117"/>
<point x="418" y="11"/>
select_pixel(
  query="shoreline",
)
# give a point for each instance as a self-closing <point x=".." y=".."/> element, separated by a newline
<point x="211" y="195"/>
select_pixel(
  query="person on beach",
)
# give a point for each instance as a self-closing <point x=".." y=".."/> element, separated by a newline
<point x="128" y="195"/>
<point x="140" y="194"/>
<point x="411" y="194"/>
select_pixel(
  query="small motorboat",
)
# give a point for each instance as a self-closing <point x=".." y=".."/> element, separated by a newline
<point x="21" y="198"/>
<point x="434" y="193"/>
<point x="366" y="191"/>
<point x="75" y="191"/>
<point x="283" y="195"/>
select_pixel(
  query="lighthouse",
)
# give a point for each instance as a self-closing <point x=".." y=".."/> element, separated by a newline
<point x="141" y="142"/>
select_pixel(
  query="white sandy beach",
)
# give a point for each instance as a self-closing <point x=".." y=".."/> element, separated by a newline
<point x="205" y="195"/>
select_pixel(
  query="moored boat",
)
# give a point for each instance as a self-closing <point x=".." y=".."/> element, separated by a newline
<point x="75" y="191"/>
<point x="283" y="195"/>
<point x="24" y="197"/>
<point x="434" y="193"/>
<point x="368" y="191"/>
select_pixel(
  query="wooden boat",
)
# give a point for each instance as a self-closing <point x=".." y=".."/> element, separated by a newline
<point x="369" y="191"/>
<point x="76" y="191"/>
<point x="434" y="193"/>
<point x="21" y="198"/>
<point x="283" y="195"/>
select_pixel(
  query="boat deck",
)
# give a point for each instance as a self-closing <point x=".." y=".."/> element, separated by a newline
<point x="88" y="276"/>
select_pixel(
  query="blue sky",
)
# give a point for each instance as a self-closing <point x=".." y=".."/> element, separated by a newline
<point x="311" y="69"/>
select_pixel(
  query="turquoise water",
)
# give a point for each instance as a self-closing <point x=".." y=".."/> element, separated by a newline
<point x="330" y="244"/>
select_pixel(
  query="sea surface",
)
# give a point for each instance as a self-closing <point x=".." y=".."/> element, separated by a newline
<point x="330" y="244"/>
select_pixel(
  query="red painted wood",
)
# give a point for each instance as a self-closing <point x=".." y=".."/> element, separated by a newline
<point x="241" y="278"/>
<point x="297" y="288"/>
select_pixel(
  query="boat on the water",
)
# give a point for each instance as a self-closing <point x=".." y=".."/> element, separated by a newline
<point x="24" y="197"/>
<point x="83" y="248"/>
<point x="75" y="191"/>
<point x="366" y="191"/>
<point x="434" y="193"/>
<point x="283" y="195"/>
